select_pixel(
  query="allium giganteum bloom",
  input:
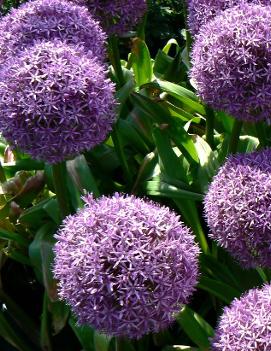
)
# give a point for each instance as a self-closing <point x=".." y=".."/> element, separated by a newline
<point x="125" y="265"/>
<point x="55" y="102"/>
<point x="116" y="16"/>
<point x="200" y="12"/>
<point x="238" y="208"/>
<point x="232" y="62"/>
<point x="50" y="19"/>
<point x="246" y="324"/>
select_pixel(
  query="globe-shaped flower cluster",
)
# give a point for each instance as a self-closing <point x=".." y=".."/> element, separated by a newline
<point x="55" y="101"/>
<point x="246" y="324"/>
<point x="200" y="12"/>
<point x="238" y="208"/>
<point x="48" y="20"/>
<point x="117" y="16"/>
<point x="125" y="265"/>
<point x="231" y="61"/>
<point x="55" y="98"/>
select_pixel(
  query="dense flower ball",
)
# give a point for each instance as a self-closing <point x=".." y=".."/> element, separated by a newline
<point x="200" y="12"/>
<point x="116" y="16"/>
<point x="125" y="265"/>
<point x="232" y="62"/>
<point x="246" y="324"/>
<point x="238" y="208"/>
<point x="55" y="102"/>
<point x="50" y="19"/>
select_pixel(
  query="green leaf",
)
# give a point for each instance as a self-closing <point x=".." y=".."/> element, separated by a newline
<point x="198" y="330"/>
<point x="218" y="270"/>
<point x="45" y="335"/>
<point x="161" y="64"/>
<point x="35" y="216"/>
<point x="183" y="140"/>
<point x="160" y="188"/>
<point x="101" y="341"/>
<point x="223" y="291"/>
<point x="8" y="235"/>
<point x="41" y="256"/>
<point x="130" y="136"/>
<point x="84" y="334"/>
<point x="8" y="333"/>
<point x="124" y="344"/>
<point x="168" y="160"/>
<point x="142" y="64"/>
<point x="82" y="175"/>
<point x="248" y="143"/>
<point x="124" y="92"/>
<point x="182" y="94"/>
<point x="30" y="190"/>
<point x="208" y="162"/>
<point x="169" y="44"/>
<point x="147" y="170"/>
<point x="157" y="112"/>
<point x="191" y="217"/>
<point x="27" y="164"/>
<point x="59" y="313"/>
<point x="178" y="112"/>
<point x="52" y="209"/>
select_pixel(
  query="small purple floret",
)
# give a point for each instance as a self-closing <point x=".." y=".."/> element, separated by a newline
<point x="116" y="16"/>
<point x="231" y="62"/>
<point x="238" y="208"/>
<point x="55" y="101"/>
<point x="48" y="20"/>
<point x="246" y="324"/>
<point x="125" y="265"/>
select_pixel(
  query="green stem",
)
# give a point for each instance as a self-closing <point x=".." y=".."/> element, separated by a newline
<point x="210" y="119"/>
<point x="190" y="215"/>
<point x="61" y="189"/>
<point x="189" y="40"/>
<point x="45" y="335"/>
<point x="260" y="128"/>
<point x="114" y="56"/>
<point x="262" y="274"/>
<point x="2" y="174"/>
<point x="120" y="344"/>
<point x="121" y="154"/>
<point x="235" y="134"/>
<point x="141" y="28"/>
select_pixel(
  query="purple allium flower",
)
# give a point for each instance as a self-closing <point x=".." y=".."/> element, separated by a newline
<point x="116" y="16"/>
<point x="55" y="101"/>
<point x="125" y="265"/>
<point x="246" y="324"/>
<point x="238" y="208"/>
<point x="47" y="20"/>
<point x="200" y="12"/>
<point x="232" y="62"/>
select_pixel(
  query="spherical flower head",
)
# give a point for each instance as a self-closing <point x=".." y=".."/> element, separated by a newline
<point x="48" y="20"/>
<point x="246" y="324"/>
<point x="200" y="12"/>
<point x="231" y="62"/>
<point x="125" y="265"/>
<point x="238" y="208"/>
<point x="55" y="102"/>
<point x="117" y="16"/>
